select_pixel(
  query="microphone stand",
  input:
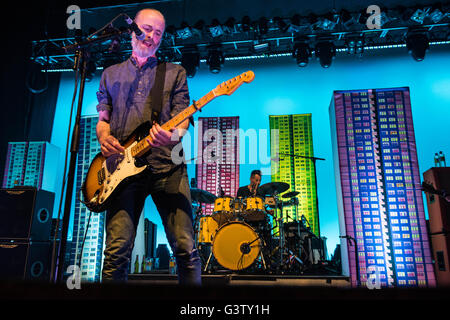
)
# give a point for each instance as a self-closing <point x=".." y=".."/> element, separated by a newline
<point x="82" y="56"/>
<point x="313" y="159"/>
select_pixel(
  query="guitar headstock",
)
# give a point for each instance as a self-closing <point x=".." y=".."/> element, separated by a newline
<point x="228" y="87"/>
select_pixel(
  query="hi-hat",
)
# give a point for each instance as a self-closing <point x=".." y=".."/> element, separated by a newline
<point x="202" y="196"/>
<point x="290" y="194"/>
<point x="272" y="188"/>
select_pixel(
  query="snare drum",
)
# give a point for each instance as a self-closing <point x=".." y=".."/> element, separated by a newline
<point x="254" y="209"/>
<point x="223" y="210"/>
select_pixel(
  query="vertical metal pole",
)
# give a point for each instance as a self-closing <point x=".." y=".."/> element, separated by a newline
<point x="71" y="173"/>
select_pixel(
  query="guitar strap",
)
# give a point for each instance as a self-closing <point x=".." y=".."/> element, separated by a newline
<point x="157" y="93"/>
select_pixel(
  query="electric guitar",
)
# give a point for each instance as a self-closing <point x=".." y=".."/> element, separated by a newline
<point x="107" y="176"/>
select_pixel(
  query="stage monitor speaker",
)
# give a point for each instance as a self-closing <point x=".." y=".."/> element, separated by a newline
<point x="26" y="214"/>
<point x="25" y="260"/>
<point x="150" y="238"/>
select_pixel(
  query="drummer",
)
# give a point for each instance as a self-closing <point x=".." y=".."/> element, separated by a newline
<point x="251" y="190"/>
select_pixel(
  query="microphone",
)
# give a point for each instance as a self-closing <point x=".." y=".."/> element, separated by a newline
<point x="133" y="26"/>
<point x="253" y="188"/>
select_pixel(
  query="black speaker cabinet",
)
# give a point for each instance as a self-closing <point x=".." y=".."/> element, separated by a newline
<point x="26" y="214"/>
<point x="25" y="260"/>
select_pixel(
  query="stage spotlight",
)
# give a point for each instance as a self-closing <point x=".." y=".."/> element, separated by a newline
<point x="327" y="22"/>
<point x="190" y="60"/>
<point x="229" y="26"/>
<point x="216" y="29"/>
<point x="417" y="45"/>
<point x="185" y="32"/>
<point x="282" y="25"/>
<point x="294" y="26"/>
<point x="419" y="15"/>
<point x="199" y="26"/>
<point x="215" y="60"/>
<point x="325" y="51"/>
<point x="262" y="25"/>
<point x="437" y="14"/>
<point x="355" y="45"/>
<point x="302" y="53"/>
<point x="351" y="44"/>
<point x="359" y="46"/>
<point x="245" y="23"/>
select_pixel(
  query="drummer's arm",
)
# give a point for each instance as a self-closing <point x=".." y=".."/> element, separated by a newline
<point x="259" y="193"/>
<point x="239" y="193"/>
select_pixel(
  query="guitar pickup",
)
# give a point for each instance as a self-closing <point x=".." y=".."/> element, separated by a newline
<point x="101" y="176"/>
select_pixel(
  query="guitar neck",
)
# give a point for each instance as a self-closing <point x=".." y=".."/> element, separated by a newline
<point x="227" y="87"/>
<point x="142" y="147"/>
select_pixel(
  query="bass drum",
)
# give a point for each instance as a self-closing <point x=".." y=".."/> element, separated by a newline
<point x="236" y="246"/>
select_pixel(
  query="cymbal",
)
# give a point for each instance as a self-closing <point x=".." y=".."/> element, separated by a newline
<point x="273" y="187"/>
<point x="290" y="194"/>
<point x="202" y="196"/>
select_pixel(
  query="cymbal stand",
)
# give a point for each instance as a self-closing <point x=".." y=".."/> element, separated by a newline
<point x="207" y="262"/>
<point x="282" y="246"/>
<point x="262" y="246"/>
<point x="280" y="223"/>
<point x="262" y="259"/>
<point x="198" y="214"/>
<point x="280" y="226"/>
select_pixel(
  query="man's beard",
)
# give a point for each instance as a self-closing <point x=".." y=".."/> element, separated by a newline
<point x="141" y="50"/>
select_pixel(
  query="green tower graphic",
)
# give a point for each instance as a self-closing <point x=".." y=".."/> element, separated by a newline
<point x="291" y="165"/>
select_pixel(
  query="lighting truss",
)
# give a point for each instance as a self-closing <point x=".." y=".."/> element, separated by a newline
<point x="263" y="38"/>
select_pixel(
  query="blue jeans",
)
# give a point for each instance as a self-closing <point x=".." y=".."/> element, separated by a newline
<point x="172" y="198"/>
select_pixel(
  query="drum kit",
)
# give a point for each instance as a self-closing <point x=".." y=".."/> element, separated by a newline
<point x="239" y="234"/>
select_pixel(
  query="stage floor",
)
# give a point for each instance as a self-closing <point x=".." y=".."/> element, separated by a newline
<point x="235" y="279"/>
<point x="297" y="296"/>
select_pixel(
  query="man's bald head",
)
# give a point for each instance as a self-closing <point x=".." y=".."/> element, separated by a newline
<point x="149" y="11"/>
